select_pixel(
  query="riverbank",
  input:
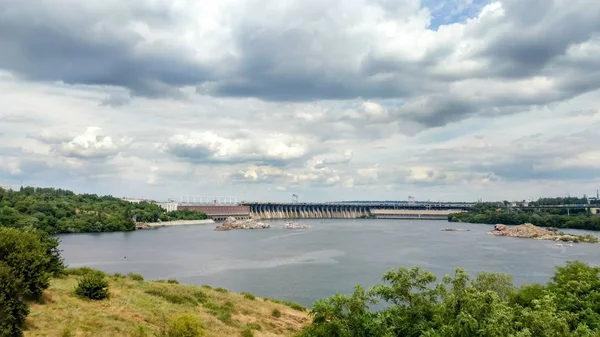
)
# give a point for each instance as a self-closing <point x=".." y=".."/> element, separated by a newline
<point x="139" y="308"/>
<point x="151" y="225"/>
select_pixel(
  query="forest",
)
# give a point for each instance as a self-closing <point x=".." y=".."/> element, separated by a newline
<point x="57" y="211"/>
<point x="490" y="213"/>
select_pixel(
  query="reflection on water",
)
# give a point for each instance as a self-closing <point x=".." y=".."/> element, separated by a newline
<point x="330" y="256"/>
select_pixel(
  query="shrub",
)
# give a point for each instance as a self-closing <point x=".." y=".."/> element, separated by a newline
<point x="247" y="332"/>
<point x="249" y="296"/>
<point x="206" y="286"/>
<point x="222" y="290"/>
<point x="67" y="332"/>
<point x="25" y="269"/>
<point x="176" y="296"/>
<point x="93" y="286"/>
<point x="139" y="331"/>
<point x="82" y="271"/>
<point x="12" y="308"/>
<point x="172" y="280"/>
<point x="186" y="325"/>
<point x="135" y="277"/>
<point x="254" y="326"/>
<point x="222" y="312"/>
<point x="26" y="258"/>
<point x="276" y="313"/>
<point x="118" y="275"/>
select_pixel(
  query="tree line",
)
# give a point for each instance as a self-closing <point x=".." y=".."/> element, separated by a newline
<point x="57" y="211"/>
<point x="489" y="213"/>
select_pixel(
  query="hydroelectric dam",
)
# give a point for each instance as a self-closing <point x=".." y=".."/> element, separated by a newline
<point x="220" y="208"/>
<point x="259" y="210"/>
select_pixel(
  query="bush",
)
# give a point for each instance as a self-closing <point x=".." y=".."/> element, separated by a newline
<point x="26" y="265"/>
<point x="222" y="290"/>
<point x="276" y="313"/>
<point x="172" y="280"/>
<point x="249" y="296"/>
<point x="247" y="332"/>
<point x="67" y="332"/>
<point x="93" y="286"/>
<point x="13" y="309"/>
<point x="82" y="271"/>
<point x="135" y="277"/>
<point x="186" y="325"/>
<point x="254" y="326"/>
<point x="175" y="296"/>
<point x="26" y="258"/>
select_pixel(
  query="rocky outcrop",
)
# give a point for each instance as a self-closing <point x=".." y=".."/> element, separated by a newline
<point x="295" y="225"/>
<point x="531" y="231"/>
<point x="233" y="223"/>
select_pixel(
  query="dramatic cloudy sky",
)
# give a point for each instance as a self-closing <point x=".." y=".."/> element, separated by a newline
<point x="328" y="99"/>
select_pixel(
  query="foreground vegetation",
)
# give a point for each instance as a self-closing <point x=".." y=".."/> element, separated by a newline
<point x="490" y="214"/>
<point x="489" y="305"/>
<point x="150" y="308"/>
<point x="61" y="211"/>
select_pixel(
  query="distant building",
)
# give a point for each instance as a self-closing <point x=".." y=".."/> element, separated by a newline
<point x="168" y="206"/>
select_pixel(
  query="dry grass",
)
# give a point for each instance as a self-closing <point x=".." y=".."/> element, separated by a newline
<point x="145" y="306"/>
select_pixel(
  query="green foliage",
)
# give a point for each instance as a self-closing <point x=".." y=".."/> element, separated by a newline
<point x="293" y="305"/>
<point x="172" y="280"/>
<point x="135" y="276"/>
<point x="414" y="304"/>
<point x="489" y="213"/>
<point x="82" y="271"/>
<point x="186" y="215"/>
<point x="61" y="211"/>
<point x="27" y="260"/>
<point x="222" y="312"/>
<point x="26" y="255"/>
<point x="254" y="326"/>
<point x="249" y="296"/>
<point x="67" y="332"/>
<point x="221" y="290"/>
<point x="276" y="313"/>
<point x="186" y="325"/>
<point x="93" y="286"/>
<point x="246" y="332"/>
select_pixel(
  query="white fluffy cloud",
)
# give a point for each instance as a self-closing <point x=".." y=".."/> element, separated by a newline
<point x="330" y="99"/>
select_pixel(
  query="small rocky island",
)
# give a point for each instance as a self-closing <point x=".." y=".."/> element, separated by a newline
<point x="294" y="225"/>
<point x="531" y="231"/>
<point x="233" y="223"/>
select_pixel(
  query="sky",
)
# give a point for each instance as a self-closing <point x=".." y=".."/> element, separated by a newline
<point x="327" y="99"/>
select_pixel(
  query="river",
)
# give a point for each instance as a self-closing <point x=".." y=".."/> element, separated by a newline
<point x="307" y="264"/>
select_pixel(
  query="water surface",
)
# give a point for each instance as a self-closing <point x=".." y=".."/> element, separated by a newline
<point x="307" y="264"/>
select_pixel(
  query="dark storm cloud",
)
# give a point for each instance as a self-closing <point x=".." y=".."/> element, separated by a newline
<point x="46" y="48"/>
<point x="535" y="32"/>
<point x="308" y="50"/>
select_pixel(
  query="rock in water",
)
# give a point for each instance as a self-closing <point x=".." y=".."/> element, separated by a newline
<point x="531" y="231"/>
<point x="294" y="225"/>
<point x="233" y="223"/>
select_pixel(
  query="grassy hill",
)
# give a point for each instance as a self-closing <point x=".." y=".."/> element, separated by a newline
<point x="142" y="308"/>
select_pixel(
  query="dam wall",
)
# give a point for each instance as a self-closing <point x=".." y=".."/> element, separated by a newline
<point x="307" y="211"/>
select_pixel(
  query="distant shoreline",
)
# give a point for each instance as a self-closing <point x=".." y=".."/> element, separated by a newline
<point x="150" y="225"/>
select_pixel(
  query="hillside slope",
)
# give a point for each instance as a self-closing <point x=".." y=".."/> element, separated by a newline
<point x="141" y="308"/>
